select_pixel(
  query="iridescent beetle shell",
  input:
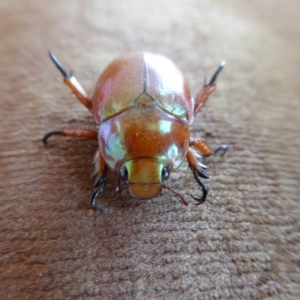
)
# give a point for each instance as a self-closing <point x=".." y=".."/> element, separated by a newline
<point x="143" y="119"/>
<point x="143" y="109"/>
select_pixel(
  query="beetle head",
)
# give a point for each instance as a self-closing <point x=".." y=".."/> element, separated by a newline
<point x="144" y="177"/>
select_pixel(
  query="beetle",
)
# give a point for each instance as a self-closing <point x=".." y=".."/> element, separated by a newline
<point x="143" y="110"/>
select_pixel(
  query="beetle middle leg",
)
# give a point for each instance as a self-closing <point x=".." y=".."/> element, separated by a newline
<point x="72" y="83"/>
<point x="205" y="150"/>
<point x="81" y="133"/>
<point x="221" y="149"/>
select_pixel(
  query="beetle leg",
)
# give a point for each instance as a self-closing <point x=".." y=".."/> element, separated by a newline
<point x="202" y="147"/>
<point x="203" y="187"/>
<point x="100" y="181"/>
<point x="72" y="83"/>
<point x="195" y="165"/>
<point x="118" y="184"/>
<point x="195" y="160"/>
<point x="100" y="169"/>
<point x="95" y="195"/>
<point x="207" y="89"/>
<point x="205" y="150"/>
<point x="223" y="149"/>
<point x="88" y="134"/>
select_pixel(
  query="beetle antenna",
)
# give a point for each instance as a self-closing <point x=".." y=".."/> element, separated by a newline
<point x="59" y="66"/>
<point x="203" y="187"/>
<point x="177" y="194"/>
<point x="213" y="79"/>
<point x="96" y="193"/>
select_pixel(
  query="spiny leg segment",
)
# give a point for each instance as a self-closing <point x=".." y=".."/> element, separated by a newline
<point x="81" y="133"/>
<point x="207" y="89"/>
<point x="72" y="83"/>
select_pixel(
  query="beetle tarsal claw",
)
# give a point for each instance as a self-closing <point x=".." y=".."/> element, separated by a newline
<point x="57" y="63"/>
<point x="203" y="187"/>
<point x="202" y="166"/>
<point x="98" y="181"/>
<point x="214" y="77"/>
<point x="198" y="157"/>
<point x="202" y="174"/>
<point x="94" y="174"/>
<point x="200" y="171"/>
<point x="48" y="135"/>
<point x="95" y="195"/>
<point x="222" y="149"/>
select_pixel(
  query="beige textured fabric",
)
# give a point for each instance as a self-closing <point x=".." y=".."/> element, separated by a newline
<point x="244" y="242"/>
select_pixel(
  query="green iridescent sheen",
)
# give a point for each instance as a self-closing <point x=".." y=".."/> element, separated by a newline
<point x="143" y="132"/>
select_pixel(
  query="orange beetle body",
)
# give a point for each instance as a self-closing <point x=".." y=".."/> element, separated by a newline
<point x="143" y="109"/>
<point x="144" y="118"/>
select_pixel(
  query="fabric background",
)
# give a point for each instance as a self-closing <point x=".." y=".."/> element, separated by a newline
<point x="243" y="243"/>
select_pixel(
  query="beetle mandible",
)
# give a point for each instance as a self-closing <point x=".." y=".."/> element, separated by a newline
<point x="143" y="110"/>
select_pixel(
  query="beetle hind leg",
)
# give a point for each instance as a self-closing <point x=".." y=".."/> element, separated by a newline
<point x="207" y="89"/>
<point x="100" y="178"/>
<point x="72" y="83"/>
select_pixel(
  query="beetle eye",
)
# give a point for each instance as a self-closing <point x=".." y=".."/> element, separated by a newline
<point x="123" y="173"/>
<point x="165" y="173"/>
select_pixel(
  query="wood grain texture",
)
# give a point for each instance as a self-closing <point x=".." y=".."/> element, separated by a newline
<point x="244" y="242"/>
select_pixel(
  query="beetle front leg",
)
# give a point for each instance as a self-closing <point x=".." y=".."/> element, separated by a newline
<point x="72" y="83"/>
<point x="100" y="175"/>
<point x="100" y="168"/>
<point x="195" y="160"/>
<point x="207" y="89"/>
<point x="195" y="164"/>
<point x="88" y="134"/>
<point x="198" y="170"/>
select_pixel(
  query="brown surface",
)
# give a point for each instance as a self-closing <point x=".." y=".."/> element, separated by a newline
<point x="244" y="242"/>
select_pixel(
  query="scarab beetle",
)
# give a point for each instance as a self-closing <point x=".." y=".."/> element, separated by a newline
<point x="143" y="110"/>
